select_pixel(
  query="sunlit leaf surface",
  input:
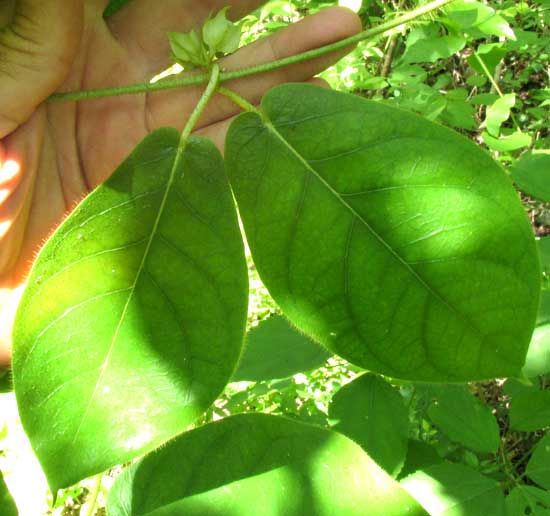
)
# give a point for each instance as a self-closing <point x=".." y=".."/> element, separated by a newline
<point x="375" y="231"/>
<point x="134" y="316"/>
<point x="254" y="464"/>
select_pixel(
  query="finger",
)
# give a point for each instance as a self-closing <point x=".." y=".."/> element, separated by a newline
<point x="333" y="24"/>
<point x="217" y="131"/>
<point x="36" y="52"/>
<point x="142" y="25"/>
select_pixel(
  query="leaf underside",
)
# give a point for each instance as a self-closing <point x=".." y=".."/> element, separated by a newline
<point x="393" y="241"/>
<point x="253" y="464"/>
<point x="134" y="316"/>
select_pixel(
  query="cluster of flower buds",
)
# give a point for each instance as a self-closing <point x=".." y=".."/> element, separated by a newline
<point x="218" y="37"/>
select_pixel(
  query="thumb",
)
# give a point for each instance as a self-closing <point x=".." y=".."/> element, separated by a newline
<point x="37" y="49"/>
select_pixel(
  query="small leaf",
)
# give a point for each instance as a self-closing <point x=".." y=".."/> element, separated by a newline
<point x="134" y="315"/>
<point x="254" y="464"/>
<point x="531" y="173"/>
<point x="455" y="490"/>
<point x="538" y="467"/>
<point x="372" y="413"/>
<point x="220" y="34"/>
<point x="7" y="505"/>
<point x="498" y="113"/>
<point x="530" y="411"/>
<point x="275" y="349"/>
<point x="420" y="455"/>
<point x="431" y="50"/>
<point x="508" y="142"/>
<point x="374" y="231"/>
<point x="464" y="419"/>
<point x="491" y="54"/>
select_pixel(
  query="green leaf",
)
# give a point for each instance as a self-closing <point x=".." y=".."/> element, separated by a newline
<point x="477" y="19"/>
<point x="275" y="349"/>
<point x="455" y="490"/>
<point x="254" y="464"/>
<point x="113" y="6"/>
<point x="538" y="467"/>
<point x="374" y="231"/>
<point x="372" y="413"/>
<point x="531" y="174"/>
<point x="465" y="419"/>
<point x="134" y="315"/>
<point x="7" y="505"/>
<point x="431" y="50"/>
<point x="420" y="455"/>
<point x="527" y="500"/>
<point x="491" y="54"/>
<point x="530" y="411"/>
<point x="498" y="113"/>
<point x="220" y="34"/>
<point x="508" y="142"/>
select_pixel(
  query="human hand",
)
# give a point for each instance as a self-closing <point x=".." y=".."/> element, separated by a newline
<point x="53" y="154"/>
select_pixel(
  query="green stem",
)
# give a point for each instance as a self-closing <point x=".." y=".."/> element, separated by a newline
<point x="495" y="86"/>
<point x="199" y="108"/>
<point x="133" y="89"/>
<point x="237" y="99"/>
<point x="94" y="495"/>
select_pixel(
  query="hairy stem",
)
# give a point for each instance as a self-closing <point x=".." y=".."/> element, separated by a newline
<point x="253" y="70"/>
<point x="237" y="99"/>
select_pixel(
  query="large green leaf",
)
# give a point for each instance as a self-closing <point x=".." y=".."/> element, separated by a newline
<point x="532" y="175"/>
<point x="374" y="230"/>
<point x="464" y="419"/>
<point x="538" y="467"/>
<point x="455" y="490"/>
<point x="530" y="411"/>
<point x="277" y="350"/>
<point x="134" y="315"/>
<point x="7" y="505"/>
<point x="372" y="413"/>
<point x="254" y="464"/>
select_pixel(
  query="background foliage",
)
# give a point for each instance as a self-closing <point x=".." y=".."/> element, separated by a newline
<point x="471" y="449"/>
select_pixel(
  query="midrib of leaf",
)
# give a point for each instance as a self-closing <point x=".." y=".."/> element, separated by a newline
<point x="182" y="145"/>
<point x="270" y="126"/>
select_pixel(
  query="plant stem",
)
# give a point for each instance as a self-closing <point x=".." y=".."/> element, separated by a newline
<point x="133" y="89"/>
<point x="199" y="108"/>
<point x="237" y="99"/>
<point x="495" y="86"/>
<point x="94" y="495"/>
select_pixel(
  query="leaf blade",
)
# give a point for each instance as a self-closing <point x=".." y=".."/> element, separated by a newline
<point x="330" y="233"/>
<point x="281" y="465"/>
<point x="158" y="260"/>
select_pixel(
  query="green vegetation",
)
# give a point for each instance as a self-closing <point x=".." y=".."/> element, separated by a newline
<point x="384" y="223"/>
